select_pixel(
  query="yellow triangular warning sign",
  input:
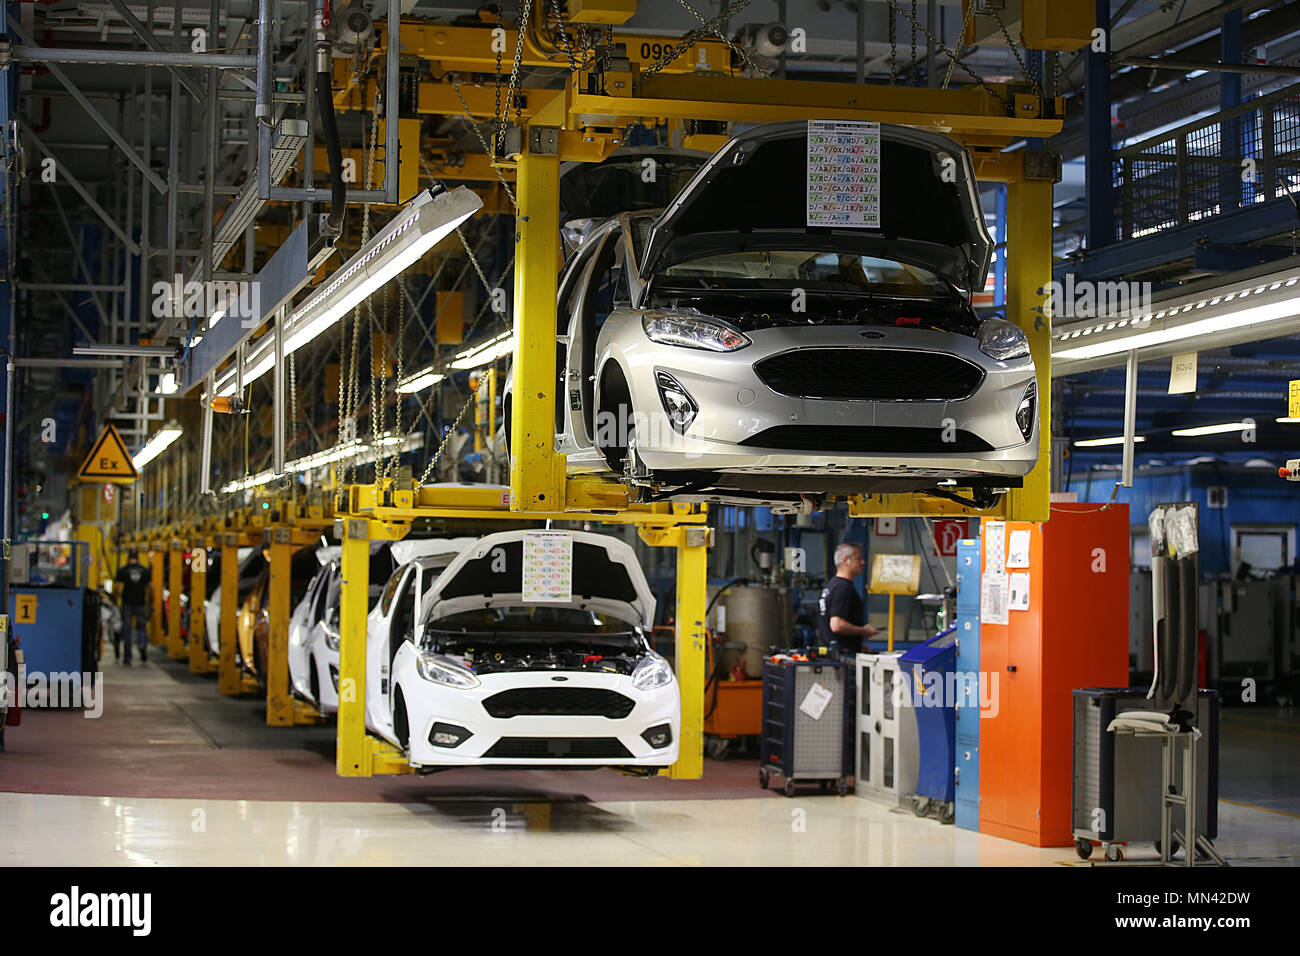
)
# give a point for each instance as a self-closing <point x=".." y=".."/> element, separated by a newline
<point x="108" y="460"/>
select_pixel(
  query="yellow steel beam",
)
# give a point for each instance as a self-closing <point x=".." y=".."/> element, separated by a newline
<point x="471" y="49"/>
<point x="156" y="556"/>
<point x="175" y="575"/>
<point x="536" y="470"/>
<point x="1029" y="273"/>
<point x="281" y="708"/>
<point x="200" y="663"/>
<point x="228" y="678"/>
<point x="466" y="167"/>
<point x="692" y="545"/>
<point x="971" y="110"/>
<point x="358" y="754"/>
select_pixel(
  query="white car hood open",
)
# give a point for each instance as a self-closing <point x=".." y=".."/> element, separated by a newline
<point x="607" y="578"/>
<point x="408" y="549"/>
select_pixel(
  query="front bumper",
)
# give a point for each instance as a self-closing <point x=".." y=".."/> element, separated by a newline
<point x="617" y="739"/>
<point x="738" y="413"/>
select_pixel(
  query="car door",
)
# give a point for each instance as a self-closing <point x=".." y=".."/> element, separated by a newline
<point x="603" y="286"/>
<point x="573" y="296"/>
<point x="382" y="646"/>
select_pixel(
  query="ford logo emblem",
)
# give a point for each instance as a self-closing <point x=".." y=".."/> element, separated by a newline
<point x="558" y="677"/>
<point x="870" y="334"/>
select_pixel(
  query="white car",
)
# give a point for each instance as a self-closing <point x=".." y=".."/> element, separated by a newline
<point x="314" y="626"/>
<point x="468" y="673"/>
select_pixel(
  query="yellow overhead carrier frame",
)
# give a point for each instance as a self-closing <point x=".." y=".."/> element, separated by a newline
<point x="385" y="512"/>
<point x="986" y="120"/>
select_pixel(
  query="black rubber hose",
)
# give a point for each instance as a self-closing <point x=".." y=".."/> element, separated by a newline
<point x="333" y="151"/>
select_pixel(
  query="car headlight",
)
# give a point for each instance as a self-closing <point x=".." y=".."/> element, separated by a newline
<point x="1002" y="340"/>
<point x="440" y="670"/>
<point x="692" y="331"/>
<point x="650" y="672"/>
<point x="332" y="640"/>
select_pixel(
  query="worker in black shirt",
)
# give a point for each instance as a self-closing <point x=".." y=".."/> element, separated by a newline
<point x="134" y="589"/>
<point x="842" y="616"/>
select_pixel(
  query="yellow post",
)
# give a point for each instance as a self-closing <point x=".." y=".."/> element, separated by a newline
<point x="689" y="663"/>
<point x="228" y="681"/>
<point x="1029" y="271"/>
<point x="536" y="471"/>
<point x="156" y="578"/>
<point x="353" y="747"/>
<point x="198" y="619"/>
<point x="279" y="703"/>
<point x="175" y="577"/>
<point x="891" y="623"/>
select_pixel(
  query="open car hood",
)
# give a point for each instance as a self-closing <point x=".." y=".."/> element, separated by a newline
<point x="753" y="195"/>
<point x="606" y="577"/>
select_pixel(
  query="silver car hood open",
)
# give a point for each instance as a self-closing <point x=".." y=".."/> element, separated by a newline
<point x="753" y="194"/>
<point x="617" y="587"/>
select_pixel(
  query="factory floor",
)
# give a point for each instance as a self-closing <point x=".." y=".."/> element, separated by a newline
<point x="172" y="773"/>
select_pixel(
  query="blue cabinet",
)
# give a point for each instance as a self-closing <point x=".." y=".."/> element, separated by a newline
<point x="967" y="684"/>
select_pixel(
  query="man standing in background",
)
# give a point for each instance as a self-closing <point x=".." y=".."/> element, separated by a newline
<point x="134" y="589"/>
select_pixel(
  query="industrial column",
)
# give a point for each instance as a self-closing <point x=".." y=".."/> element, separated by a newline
<point x="156" y="577"/>
<point x="175" y="575"/>
<point x="228" y="681"/>
<point x="198" y="595"/>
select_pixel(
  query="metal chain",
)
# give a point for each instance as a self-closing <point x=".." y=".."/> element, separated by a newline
<point x="955" y="57"/>
<point x="469" y="119"/>
<point x="337" y="469"/>
<point x="893" y="42"/>
<point x="514" y="70"/>
<point x="437" y="455"/>
<point x="912" y="69"/>
<point x="564" y="35"/>
<point x="1032" y="80"/>
<point x="961" y="39"/>
<point x="496" y="90"/>
<point x="1056" y="74"/>
<point x="711" y="27"/>
<point x="401" y="373"/>
<point x="293" y="415"/>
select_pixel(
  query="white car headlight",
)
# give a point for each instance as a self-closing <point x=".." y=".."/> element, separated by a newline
<point x="650" y="672"/>
<point x="1002" y="340"/>
<point x="441" y="670"/>
<point x="692" y="331"/>
<point x="332" y="640"/>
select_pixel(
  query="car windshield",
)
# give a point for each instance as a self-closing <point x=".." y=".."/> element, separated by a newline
<point x="845" y="271"/>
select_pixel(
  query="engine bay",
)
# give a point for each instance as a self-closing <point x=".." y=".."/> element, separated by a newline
<point x="485" y="655"/>
<point x="751" y="311"/>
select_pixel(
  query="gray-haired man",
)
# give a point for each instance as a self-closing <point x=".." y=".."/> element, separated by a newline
<point x="842" y="616"/>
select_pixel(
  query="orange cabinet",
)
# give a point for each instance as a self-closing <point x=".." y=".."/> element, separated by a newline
<point x="1074" y="633"/>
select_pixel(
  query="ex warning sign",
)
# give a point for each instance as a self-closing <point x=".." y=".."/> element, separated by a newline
<point x="108" y="460"/>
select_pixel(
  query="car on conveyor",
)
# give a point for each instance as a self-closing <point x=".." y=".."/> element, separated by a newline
<point x="723" y="349"/>
<point x="475" y="672"/>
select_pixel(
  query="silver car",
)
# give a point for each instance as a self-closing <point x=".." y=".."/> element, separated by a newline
<point x="723" y="350"/>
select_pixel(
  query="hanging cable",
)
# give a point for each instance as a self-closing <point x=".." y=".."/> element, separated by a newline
<point x="328" y="121"/>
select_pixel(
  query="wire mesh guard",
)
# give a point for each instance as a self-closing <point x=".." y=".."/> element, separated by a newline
<point x="1240" y="157"/>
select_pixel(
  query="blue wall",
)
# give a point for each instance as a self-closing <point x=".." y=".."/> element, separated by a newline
<point x="1255" y="495"/>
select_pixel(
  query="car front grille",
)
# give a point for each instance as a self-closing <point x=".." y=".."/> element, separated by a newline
<point x="871" y="375"/>
<point x="558" y="748"/>
<point x="867" y="440"/>
<point x="559" y="701"/>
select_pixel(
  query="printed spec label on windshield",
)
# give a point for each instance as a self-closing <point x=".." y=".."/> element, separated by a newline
<point x="844" y="173"/>
<point x="548" y="567"/>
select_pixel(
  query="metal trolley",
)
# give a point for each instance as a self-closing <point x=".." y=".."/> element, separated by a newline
<point x="796" y="745"/>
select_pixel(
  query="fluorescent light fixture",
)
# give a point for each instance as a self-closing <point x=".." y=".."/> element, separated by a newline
<point x="167" y="385"/>
<point x="1228" y="308"/>
<point x="485" y="353"/>
<point x="1098" y="442"/>
<point x="126" y="351"/>
<point x="1287" y="421"/>
<point x="419" y="381"/>
<point x="156" y="445"/>
<point x="360" y="449"/>
<point x="420" y="225"/>
<point x="410" y="234"/>
<point x="1211" y="429"/>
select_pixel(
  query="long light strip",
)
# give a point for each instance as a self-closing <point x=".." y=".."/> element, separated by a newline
<point x="362" y="449"/>
<point x="485" y="353"/>
<point x="1099" y="442"/>
<point x="156" y="445"/>
<point x="419" y="381"/>
<point x="1227" y="309"/>
<point x="1221" y="429"/>
<point x="424" y="221"/>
